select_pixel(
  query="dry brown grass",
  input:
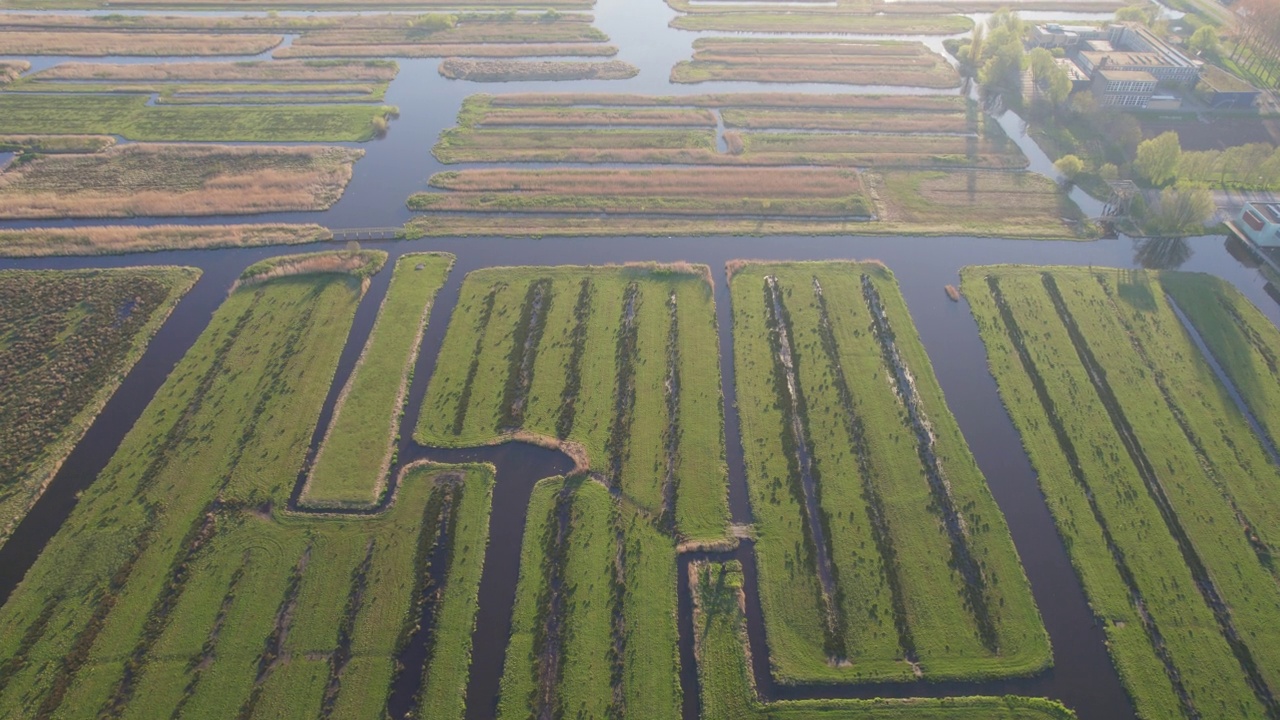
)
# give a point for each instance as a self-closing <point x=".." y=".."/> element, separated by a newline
<point x="611" y="117"/>
<point x="863" y="121"/>
<point x="119" y="239"/>
<point x="97" y="44"/>
<point x="515" y="70"/>
<point x="11" y="69"/>
<point x="267" y="71"/>
<point x="361" y="264"/>
<point x="405" y="50"/>
<point x="779" y="100"/>
<point x="700" y="182"/>
<point x="187" y="180"/>
<point x="822" y="61"/>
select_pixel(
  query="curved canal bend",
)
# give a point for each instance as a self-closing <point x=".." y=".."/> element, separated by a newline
<point x="1083" y="676"/>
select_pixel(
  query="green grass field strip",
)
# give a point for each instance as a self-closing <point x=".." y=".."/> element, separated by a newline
<point x="67" y="340"/>
<point x="129" y="116"/>
<point x="351" y="466"/>
<point x="537" y="614"/>
<point x="955" y="121"/>
<point x="829" y="313"/>
<point x="1181" y="663"/>
<point x="205" y="594"/>
<point x="593" y="630"/>
<point x="1244" y="597"/>
<point x="728" y="693"/>
<point x="128" y="568"/>
<point x="524" y="353"/>
<point x="1242" y="340"/>
<point x="557" y="344"/>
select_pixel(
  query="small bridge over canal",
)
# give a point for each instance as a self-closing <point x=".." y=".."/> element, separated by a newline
<point x="376" y="233"/>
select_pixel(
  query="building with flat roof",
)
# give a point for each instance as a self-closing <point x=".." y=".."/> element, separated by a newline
<point x="1169" y="64"/>
<point x="1221" y="90"/>
<point x="1260" y="223"/>
<point x="1067" y="37"/>
<point x="1123" y="88"/>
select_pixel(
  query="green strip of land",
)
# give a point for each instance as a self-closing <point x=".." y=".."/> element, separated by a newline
<point x="1153" y="476"/>
<point x="130" y="116"/>
<point x="352" y="464"/>
<point x="542" y="351"/>
<point x="727" y="692"/>
<point x="925" y="577"/>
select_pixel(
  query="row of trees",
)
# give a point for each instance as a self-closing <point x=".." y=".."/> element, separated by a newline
<point x="1257" y="48"/>
<point x="1161" y="161"/>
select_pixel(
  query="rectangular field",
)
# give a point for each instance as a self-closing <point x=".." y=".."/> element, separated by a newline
<point x="881" y="553"/>
<point x="593" y="631"/>
<point x="130" y="117"/>
<point x="727" y="692"/>
<point x="816" y="61"/>
<point x="619" y="363"/>
<point x="119" y="239"/>
<point x="67" y="340"/>
<point x="931" y="163"/>
<point x="1162" y="493"/>
<point x="350" y="469"/>
<point x="176" y="180"/>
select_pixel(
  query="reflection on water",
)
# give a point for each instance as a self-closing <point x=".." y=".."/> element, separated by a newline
<point x="1161" y="253"/>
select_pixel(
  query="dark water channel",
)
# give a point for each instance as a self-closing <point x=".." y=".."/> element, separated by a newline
<point x="1082" y="676"/>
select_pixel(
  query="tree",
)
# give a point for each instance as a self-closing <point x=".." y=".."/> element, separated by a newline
<point x="1182" y="210"/>
<point x="1205" y="41"/>
<point x="1070" y="166"/>
<point x="1145" y="14"/>
<point x="1157" y="158"/>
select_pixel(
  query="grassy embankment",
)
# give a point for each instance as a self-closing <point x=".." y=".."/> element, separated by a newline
<point x="67" y="340"/>
<point x="819" y="61"/>
<point x="47" y="144"/>
<point x="352" y="464"/>
<point x="1241" y="339"/>
<point x="924" y="575"/>
<point x="919" y="183"/>
<point x="1165" y="499"/>
<point x="130" y="117"/>
<point x="176" y="180"/>
<point x="593" y="627"/>
<point x="180" y="582"/>
<point x="727" y="686"/>
<point x="119" y="239"/>
<point x="551" y="352"/>
<point x="524" y="70"/>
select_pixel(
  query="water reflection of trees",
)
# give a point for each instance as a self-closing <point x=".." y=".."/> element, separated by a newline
<point x="1161" y="253"/>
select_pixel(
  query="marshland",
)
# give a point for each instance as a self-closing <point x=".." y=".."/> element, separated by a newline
<point x="546" y="458"/>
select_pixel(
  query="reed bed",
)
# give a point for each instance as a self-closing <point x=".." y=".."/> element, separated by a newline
<point x="177" y="180"/>
<point x="515" y="70"/>
<point x="779" y="100"/>
<point x="819" y="22"/>
<point x="609" y="117"/>
<point x="98" y="44"/>
<point x="708" y="183"/>
<point x="120" y="239"/>
<point x="266" y="71"/>
<point x="826" y="61"/>
<point x="854" y="120"/>
<point x="494" y="50"/>
<point x="11" y="69"/>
